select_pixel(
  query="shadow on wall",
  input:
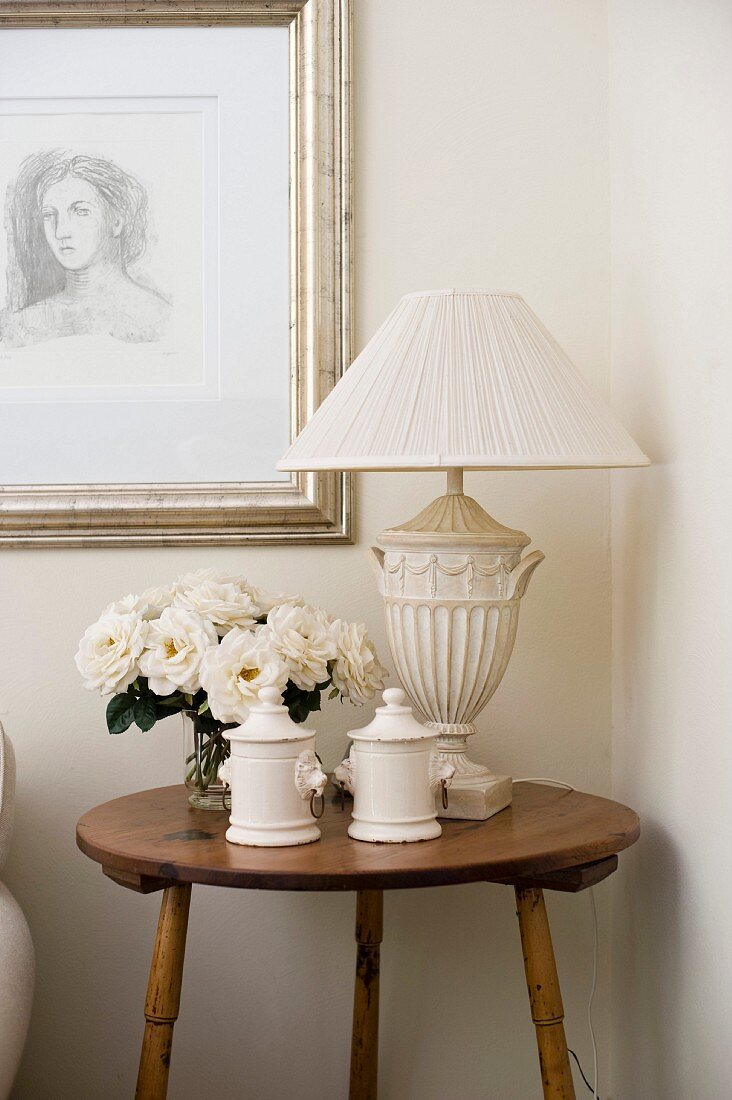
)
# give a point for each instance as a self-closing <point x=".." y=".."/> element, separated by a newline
<point x="661" y="1032"/>
<point x="647" y="988"/>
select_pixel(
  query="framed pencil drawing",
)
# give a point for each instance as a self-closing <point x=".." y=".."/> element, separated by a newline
<point x="174" y="268"/>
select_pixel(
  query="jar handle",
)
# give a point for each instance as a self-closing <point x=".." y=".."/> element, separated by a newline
<point x="443" y="788"/>
<point x="345" y="774"/>
<point x="441" y="773"/>
<point x="310" y="779"/>
<point x="313" y="795"/>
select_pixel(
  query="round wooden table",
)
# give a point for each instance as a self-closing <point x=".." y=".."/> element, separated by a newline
<point x="549" y="838"/>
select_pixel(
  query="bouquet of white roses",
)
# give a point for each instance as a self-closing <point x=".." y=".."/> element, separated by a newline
<point x="207" y="644"/>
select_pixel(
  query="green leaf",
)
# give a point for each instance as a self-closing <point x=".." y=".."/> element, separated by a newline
<point x="206" y="723"/>
<point x="333" y="692"/>
<point x="314" y="700"/>
<point x="120" y="712"/>
<point x="166" y="710"/>
<point x="146" y="713"/>
<point x="301" y="703"/>
<point x="174" y="701"/>
<point x="203" y="707"/>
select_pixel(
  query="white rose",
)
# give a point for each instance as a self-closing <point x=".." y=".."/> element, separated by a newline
<point x="218" y="576"/>
<point x="149" y="604"/>
<point x="124" y="606"/>
<point x="156" y="599"/>
<point x="233" y="673"/>
<point x="305" y="640"/>
<point x="357" y="673"/>
<point x="265" y="601"/>
<point x="176" y="643"/>
<point x="109" y="652"/>
<point x="223" y="603"/>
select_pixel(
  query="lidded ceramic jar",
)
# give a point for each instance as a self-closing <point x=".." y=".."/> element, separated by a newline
<point x="275" y="778"/>
<point x="394" y="773"/>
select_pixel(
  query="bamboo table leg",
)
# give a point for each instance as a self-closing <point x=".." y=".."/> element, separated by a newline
<point x="365" y="1035"/>
<point x="547" y="1010"/>
<point x="163" y="993"/>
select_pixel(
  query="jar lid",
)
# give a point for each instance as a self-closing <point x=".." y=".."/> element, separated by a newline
<point x="393" y="722"/>
<point x="268" y="720"/>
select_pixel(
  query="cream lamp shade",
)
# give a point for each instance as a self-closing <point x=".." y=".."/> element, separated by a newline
<point x="462" y="378"/>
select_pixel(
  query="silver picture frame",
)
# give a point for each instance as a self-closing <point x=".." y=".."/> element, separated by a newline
<point x="310" y="507"/>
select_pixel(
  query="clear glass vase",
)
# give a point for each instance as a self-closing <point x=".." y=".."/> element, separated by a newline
<point x="204" y="753"/>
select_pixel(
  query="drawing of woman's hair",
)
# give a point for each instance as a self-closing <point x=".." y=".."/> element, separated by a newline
<point x="33" y="272"/>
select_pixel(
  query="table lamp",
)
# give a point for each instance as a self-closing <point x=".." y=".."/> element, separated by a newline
<point x="455" y="380"/>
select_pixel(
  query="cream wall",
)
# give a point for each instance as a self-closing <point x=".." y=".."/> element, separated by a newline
<point x="670" y="111"/>
<point x="481" y="160"/>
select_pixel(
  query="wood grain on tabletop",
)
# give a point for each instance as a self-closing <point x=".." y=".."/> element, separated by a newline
<point x="156" y="835"/>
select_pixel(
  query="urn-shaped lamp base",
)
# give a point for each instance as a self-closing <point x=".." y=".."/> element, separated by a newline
<point x="452" y="580"/>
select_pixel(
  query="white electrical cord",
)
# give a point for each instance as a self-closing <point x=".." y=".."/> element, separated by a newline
<point x="593" y="906"/>
<point x="595" y="1093"/>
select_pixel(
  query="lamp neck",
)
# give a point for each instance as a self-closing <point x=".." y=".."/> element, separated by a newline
<point x="455" y="481"/>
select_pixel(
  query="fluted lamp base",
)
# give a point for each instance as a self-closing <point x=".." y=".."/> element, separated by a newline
<point x="452" y="580"/>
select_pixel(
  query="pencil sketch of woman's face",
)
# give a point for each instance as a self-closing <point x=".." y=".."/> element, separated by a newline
<point x="77" y="224"/>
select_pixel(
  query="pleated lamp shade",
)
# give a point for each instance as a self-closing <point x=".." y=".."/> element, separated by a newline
<point x="462" y="378"/>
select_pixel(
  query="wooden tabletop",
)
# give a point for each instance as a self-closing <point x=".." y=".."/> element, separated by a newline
<point x="549" y="836"/>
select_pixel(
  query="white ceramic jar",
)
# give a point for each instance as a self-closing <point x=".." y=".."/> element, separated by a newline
<point x="394" y="774"/>
<point x="275" y="778"/>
